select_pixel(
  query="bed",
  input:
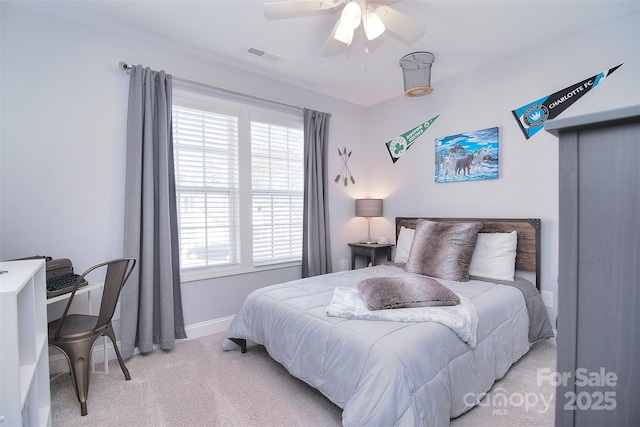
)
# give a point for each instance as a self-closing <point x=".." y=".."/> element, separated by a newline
<point x="404" y="371"/>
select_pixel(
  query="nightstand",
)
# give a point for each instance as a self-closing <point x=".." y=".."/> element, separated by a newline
<point x="369" y="250"/>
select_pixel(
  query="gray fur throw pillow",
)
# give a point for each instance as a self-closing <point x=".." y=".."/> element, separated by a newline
<point x="381" y="293"/>
<point x="442" y="249"/>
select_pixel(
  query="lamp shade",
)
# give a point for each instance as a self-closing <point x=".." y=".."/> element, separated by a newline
<point x="368" y="207"/>
<point x="344" y="34"/>
<point x="373" y="26"/>
<point x="351" y="15"/>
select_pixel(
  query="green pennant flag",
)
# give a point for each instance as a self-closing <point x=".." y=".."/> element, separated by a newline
<point x="400" y="144"/>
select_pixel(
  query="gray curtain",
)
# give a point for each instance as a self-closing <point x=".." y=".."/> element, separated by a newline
<point x="151" y="302"/>
<point x="316" y="245"/>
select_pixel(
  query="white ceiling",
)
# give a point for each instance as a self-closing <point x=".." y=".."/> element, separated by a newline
<point x="463" y="35"/>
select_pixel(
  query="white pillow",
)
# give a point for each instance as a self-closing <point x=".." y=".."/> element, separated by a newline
<point x="403" y="245"/>
<point x="494" y="256"/>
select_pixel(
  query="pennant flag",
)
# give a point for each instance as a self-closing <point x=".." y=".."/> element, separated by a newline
<point x="400" y="144"/>
<point x="531" y="117"/>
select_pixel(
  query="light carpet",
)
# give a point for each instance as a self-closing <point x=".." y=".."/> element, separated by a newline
<point x="198" y="384"/>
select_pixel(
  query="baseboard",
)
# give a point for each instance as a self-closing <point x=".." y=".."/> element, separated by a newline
<point x="209" y="327"/>
<point x="58" y="362"/>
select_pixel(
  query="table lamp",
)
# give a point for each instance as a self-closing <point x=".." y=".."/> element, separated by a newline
<point x="368" y="208"/>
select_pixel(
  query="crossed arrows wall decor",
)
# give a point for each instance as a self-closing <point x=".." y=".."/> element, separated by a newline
<point x="345" y="168"/>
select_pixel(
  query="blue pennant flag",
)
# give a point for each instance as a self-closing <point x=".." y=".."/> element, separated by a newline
<point x="531" y="117"/>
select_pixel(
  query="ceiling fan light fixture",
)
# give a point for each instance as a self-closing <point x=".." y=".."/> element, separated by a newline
<point x="351" y="15"/>
<point x="344" y="34"/>
<point x="373" y="26"/>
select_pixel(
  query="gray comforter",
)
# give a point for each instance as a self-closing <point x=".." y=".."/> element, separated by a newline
<point x="384" y="373"/>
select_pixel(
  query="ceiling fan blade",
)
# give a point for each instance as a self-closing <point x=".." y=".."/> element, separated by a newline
<point x="381" y="2"/>
<point x="293" y="7"/>
<point x="403" y="25"/>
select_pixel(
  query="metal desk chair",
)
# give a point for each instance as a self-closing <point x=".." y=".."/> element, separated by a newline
<point x="75" y="334"/>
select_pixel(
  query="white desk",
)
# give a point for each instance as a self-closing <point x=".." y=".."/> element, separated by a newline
<point x="87" y="290"/>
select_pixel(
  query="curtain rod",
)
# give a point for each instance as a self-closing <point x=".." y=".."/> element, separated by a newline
<point x="127" y="67"/>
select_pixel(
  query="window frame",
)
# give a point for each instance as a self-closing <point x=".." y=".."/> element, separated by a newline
<point x="246" y="113"/>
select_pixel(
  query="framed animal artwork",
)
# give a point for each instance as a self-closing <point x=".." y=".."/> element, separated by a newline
<point x="468" y="156"/>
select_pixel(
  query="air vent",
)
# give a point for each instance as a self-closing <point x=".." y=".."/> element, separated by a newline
<point x="262" y="54"/>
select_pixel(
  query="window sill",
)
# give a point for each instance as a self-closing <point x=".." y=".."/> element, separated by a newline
<point x="212" y="273"/>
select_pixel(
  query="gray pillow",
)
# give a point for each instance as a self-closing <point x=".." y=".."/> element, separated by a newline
<point x="442" y="249"/>
<point x="381" y="293"/>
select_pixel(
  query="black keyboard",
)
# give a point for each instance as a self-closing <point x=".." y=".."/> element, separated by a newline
<point x="62" y="284"/>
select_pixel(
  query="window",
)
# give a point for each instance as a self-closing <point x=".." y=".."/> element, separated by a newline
<point x="277" y="183"/>
<point x="206" y="167"/>
<point x="239" y="184"/>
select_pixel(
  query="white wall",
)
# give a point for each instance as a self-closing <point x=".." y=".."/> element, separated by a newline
<point x="64" y="106"/>
<point x="528" y="183"/>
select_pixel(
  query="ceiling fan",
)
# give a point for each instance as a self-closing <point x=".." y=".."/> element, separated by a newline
<point x="375" y="20"/>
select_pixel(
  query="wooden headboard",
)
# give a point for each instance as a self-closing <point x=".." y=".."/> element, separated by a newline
<point x="528" y="247"/>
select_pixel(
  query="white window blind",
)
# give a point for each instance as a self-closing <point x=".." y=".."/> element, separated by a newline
<point x="206" y="167"/>
<point x="239" y="184"/>
<point x="277" y="188"/>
